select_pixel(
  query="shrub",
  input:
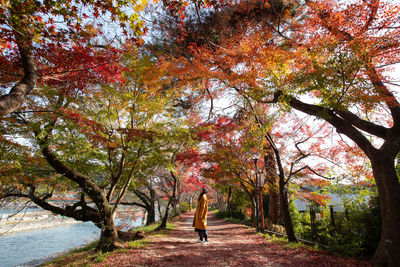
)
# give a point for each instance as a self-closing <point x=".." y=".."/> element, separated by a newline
<point x="356" y="231"/>
<point x="296" y="217"/>
<point x="275" y="227"/>
<point x="185" y="207"/>
<point x="234" y="214"/>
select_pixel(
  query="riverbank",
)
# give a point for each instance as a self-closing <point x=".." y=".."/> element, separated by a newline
<point x="32" y="221"/>
<point x="50" y="258"/>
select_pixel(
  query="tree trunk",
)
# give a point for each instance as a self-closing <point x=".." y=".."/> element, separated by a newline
<point x="163" y="224"/>
<point x="15" y="98"/>
<point x="388" y="251"/>
<point x="253" y="211"/>
<point x="273" y="208"/>
<point x="220" y="202"/>
<point x="151" y="216"/>
<point x="272" y="181"/>
<point x="287" y="219"/>
<point x="109" y="239"/>
<point x="159" y="207"/>
<point x="178" y="199"/>
<point x="151" y="210"/>
<point x="228" y="200"/>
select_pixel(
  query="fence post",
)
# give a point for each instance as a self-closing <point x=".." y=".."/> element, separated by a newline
<point x="312" y="221"/>
<point x="346" y="213"/>
<point x="332" y="216"/>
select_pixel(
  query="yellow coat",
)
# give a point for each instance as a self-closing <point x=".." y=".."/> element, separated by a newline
<point x="200" y="216"/>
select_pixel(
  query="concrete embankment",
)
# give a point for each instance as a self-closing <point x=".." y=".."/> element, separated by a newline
<point x="34" y="221"/>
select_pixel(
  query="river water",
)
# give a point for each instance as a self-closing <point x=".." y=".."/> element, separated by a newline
<point x="21" y="248"/>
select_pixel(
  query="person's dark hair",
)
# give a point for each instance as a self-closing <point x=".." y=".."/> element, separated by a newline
<point x="203" y="192"/>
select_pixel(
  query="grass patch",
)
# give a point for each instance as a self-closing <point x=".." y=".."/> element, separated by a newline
<point x="170" y="226"/>
<point x="100" y="257"/>
<point x="90" y="246"/>
<point x="138" y="243"/>
<point x="293" y="245"/>
<point x="148" y="229"/>
<point x="273" y="237"/>
<point x="79" y="257"/>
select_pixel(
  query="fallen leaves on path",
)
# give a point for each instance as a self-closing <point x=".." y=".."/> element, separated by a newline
<point x="230" y="245"/>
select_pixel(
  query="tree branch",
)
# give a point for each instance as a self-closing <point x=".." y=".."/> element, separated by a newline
<point x="134" y="204"/>
<point x="16" y="97"/>
<point x="342" y="125"/>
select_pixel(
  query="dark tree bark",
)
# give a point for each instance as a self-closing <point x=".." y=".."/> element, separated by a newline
<point x="253" y="212"/>
<point x="177" y="203"/>
<point x="163" y="224"/>
<point x="272" y="180"/>
<point x="152" y="210"/>
<point x="109" y="237"/>
<point x="15" y="98"/>
<point x="389" y="196"/>
<point x="148" y="203"/>
<point x="228" y="200"/>
<point x="287" y="219"/>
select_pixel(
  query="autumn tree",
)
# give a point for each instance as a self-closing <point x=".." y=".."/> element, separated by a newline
<point x="179" y="158"/>
<point x="293" y="151"/>
<point x="167" y="173"/>
<point x="94" y="143"/>
<point x="229" y="156"/>
<point x="53" y="41"/>
<point x="348" y="79"/>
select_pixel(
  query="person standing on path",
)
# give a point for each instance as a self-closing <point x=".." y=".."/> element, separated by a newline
<point x="200" y="217"/>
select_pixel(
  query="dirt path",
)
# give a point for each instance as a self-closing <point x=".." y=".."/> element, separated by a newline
<point x="230" y="245"/>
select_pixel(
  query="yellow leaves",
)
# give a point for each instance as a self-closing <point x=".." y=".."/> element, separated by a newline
<point x="37" y="38"/>
<point x="89" y="31"/>
<point x="140" y="41"/>
<point x="5" y="4"/>
<point x="138" y="6"/>
<point x="286" y="13"/>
